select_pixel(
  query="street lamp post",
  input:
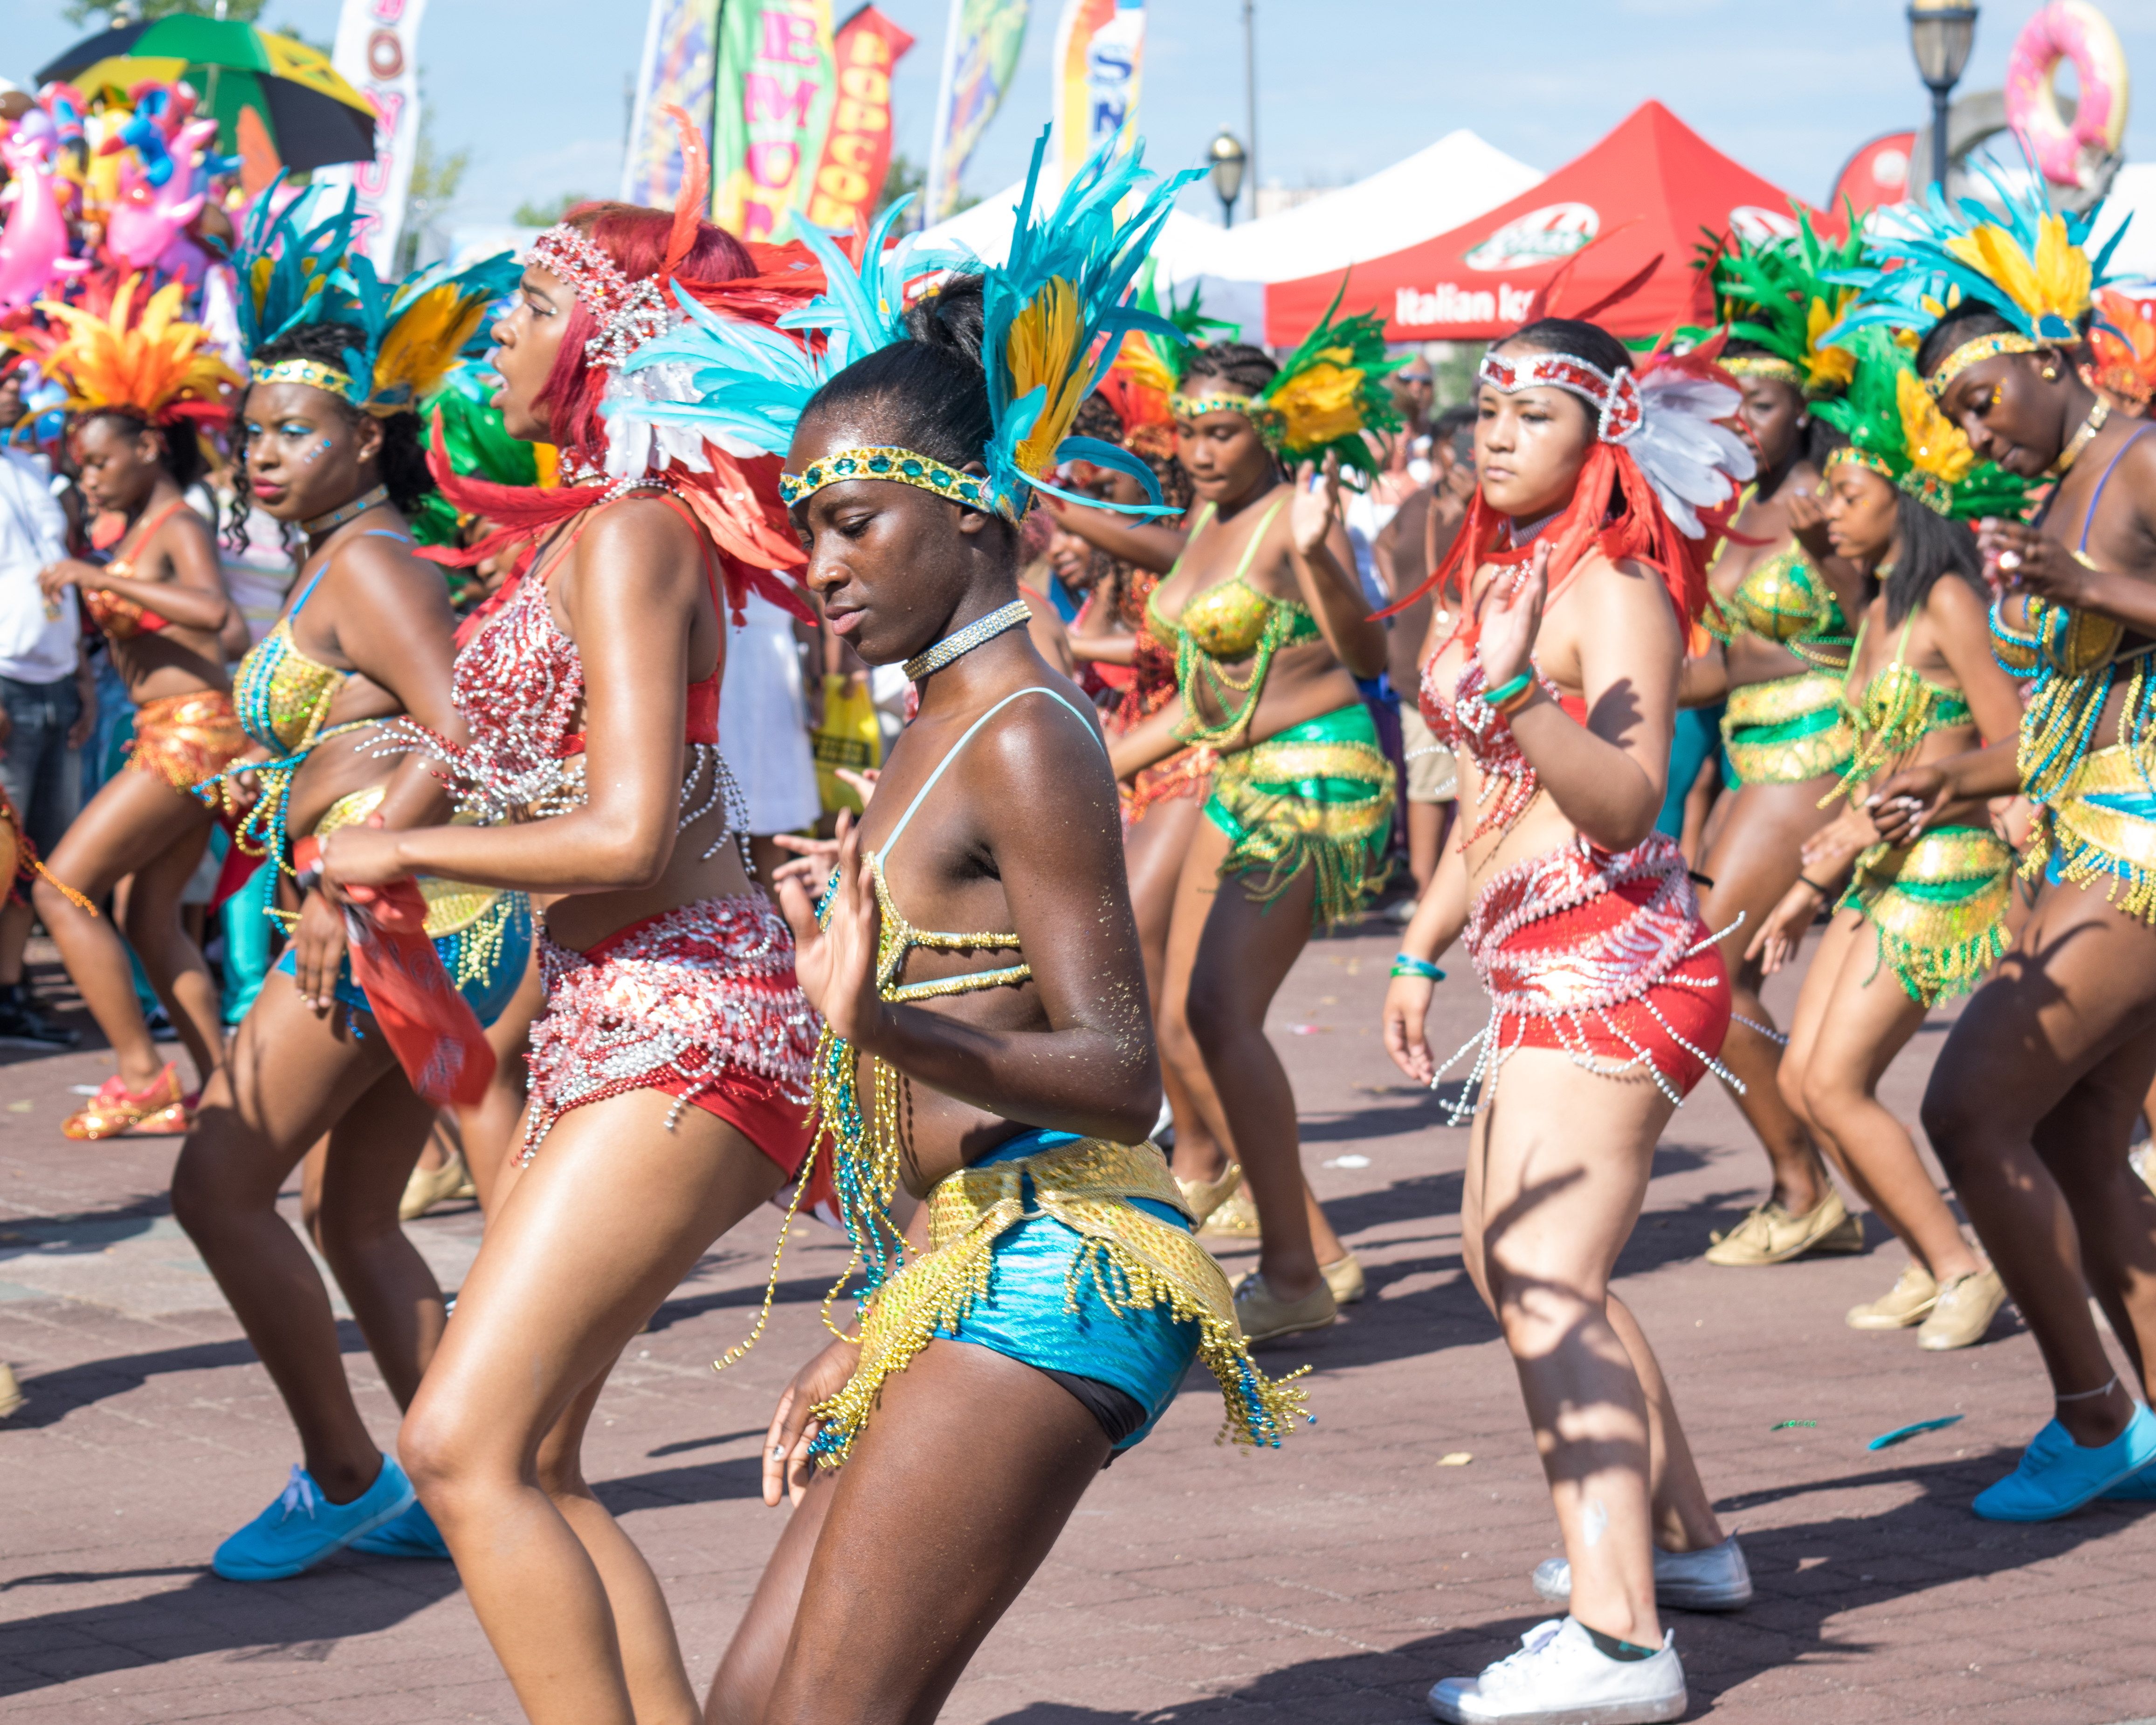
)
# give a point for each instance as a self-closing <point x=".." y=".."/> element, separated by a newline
<point x="1228" y="157"/>
<point x="1940" y="34"/>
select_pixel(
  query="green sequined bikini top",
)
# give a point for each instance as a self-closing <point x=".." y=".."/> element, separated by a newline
<point x="1224" y="625"/>
<point x="1784" y="599"/>
<point x="1898" y="709"/>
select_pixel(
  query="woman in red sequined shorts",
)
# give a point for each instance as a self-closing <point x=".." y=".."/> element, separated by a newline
<point x="1574" y="577"/>
<point x="669" y="1069"/>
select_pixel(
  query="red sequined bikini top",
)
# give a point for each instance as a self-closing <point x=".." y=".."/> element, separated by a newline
<point x="1470" y="723"/>
<point x="519" y="681"/>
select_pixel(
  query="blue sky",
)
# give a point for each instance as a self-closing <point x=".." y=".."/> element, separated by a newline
<point x="533" y="88"/>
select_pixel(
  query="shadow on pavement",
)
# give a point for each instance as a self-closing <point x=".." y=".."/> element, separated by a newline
<point x="302" y="1618"/>
<point x="56" y="1394"/>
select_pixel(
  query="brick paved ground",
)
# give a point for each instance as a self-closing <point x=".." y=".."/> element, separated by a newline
<point x="1331" y="1582"/>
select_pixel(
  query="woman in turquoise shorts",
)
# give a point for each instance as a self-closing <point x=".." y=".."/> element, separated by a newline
<point x="1271" y="630"/>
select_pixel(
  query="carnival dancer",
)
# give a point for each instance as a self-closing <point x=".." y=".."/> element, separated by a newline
<point x="1270" y="629"/>
<point x="2031" y="1099"/>
<point x="670" y="1071"/>
<point x="328" y="433"/>
<point x="1046" y="1307"/>
<point x="142" y="384"/>
<point x="1919" y="922"/>
<point x="1579" y="568"/>
<point x="1780" y="618"/>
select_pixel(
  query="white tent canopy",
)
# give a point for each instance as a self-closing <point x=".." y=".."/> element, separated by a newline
<point x="1431" y="192"/>
<point x="2132" y="194"/>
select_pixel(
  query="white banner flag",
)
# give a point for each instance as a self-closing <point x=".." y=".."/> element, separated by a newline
<point x="378" y="52"/>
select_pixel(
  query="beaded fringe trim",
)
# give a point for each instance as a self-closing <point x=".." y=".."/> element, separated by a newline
<point x="1134" y="1261"/>
<point x="1938" y="908"/>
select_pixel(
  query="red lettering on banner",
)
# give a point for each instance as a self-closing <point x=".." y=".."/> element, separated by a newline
<point x="789" y="39"/>
<point x="371" y="178"/>
<point x="388" y="105"/>
<point x="758" y="220"/>
<point x="769" y="102"/>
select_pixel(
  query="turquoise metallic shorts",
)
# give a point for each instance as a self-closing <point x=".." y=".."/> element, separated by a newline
<point x="1030" y="1316"/>
<point x="486" y="960"/>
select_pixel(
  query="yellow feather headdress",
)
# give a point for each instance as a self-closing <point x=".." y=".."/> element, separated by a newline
<point x="142" y="359"/>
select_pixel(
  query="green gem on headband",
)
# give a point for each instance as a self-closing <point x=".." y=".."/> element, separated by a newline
<point x="903" y="466"/>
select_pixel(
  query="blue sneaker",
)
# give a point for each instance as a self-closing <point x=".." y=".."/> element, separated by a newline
<point x="413" y="1534"/>
<point x="302" y="1527"/>
<point x="2135" y="1488"/>
<point x="2056" y="1476"/>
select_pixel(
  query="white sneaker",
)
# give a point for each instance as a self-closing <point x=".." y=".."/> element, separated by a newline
<point x="1715" y="1579"/>
<point x="1560" y="1677"/>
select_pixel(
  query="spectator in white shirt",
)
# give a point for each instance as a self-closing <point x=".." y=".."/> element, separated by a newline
<point x="46" y="709"/>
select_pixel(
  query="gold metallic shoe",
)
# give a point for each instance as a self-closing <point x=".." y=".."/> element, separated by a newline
<point x="11" y="1391"/>
<point x="1201" y="1197"/>
<point x="430" y="1186"/>
<point x="1770" y="1235"/>
<point x="1966" y="1308"/>
<point x="1265" y="1318"/>
<point x="1237" y="1215"/>
<point x="1910" y="1303"/>
<point x="158" y="1108"/>
<point x="1344" y="1276"/>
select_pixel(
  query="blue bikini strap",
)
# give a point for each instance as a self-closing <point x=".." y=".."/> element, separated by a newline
<point x="919" y="795"/>
<point x="371" y="533"/>
<point x="2088" y="521"/>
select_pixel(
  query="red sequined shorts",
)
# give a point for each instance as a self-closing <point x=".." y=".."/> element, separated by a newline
<point x="701" y="1002"/>
<point x="1604" y="959"/>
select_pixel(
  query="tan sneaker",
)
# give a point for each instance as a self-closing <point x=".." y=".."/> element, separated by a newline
<point x="1201" y="1197"/>
<point x="1344" y="1276"/>
<point x="430" y="1186"/>
<point x="11" y="1393"/>
<point x="1911" y="1302"/>
<point x="1966" y="1308"/>
<point x="1237" y="1215"/>
<point x="1770" y="1235"/>
<point x="1263" y="1317"/>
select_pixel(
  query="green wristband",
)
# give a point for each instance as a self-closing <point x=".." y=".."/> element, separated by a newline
<point x="1505" y="690"/>
<point x="1406" y="965"/>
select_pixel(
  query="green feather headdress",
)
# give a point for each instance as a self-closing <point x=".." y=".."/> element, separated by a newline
<point x="1896" y="430"/>
<point x="1780" y="295"/>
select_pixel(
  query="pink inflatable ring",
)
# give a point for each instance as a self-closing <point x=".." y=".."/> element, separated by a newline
<point x="2067" y="30"/>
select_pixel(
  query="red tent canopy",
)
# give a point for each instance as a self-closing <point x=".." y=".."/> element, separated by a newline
<point x="1651" y="187"/>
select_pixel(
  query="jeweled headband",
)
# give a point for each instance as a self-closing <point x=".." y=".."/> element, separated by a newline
<point x="903" y="466"/>
<point x="628" y="313"/>
<point x="1615" y="399"/>
<point x="1928" y="489"/>
<point x="1762" y="365"/>
<point x="1975" y="352"/>
<point x="312" y="373"/>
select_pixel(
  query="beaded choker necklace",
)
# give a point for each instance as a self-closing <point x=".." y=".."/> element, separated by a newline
<point x="1014" y="615"/>
<point x="335" y="518"/>
<point x="2082" y="438"/>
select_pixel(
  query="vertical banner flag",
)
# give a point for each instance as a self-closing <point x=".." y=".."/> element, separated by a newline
<point x="857" y="149"/>
<point x="980" y="53"/>
<point x="775" y="86"/>
<point x="378" y="53"/>
<point x="679" y="43"/>
<point x="1100" y="50"/>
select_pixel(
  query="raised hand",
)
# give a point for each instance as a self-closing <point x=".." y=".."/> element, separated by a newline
<point x="1512" y="617"/>
<point x="1314" y="508"/>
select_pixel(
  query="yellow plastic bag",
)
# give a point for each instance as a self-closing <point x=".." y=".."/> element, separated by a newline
<point x="847" y="737"/>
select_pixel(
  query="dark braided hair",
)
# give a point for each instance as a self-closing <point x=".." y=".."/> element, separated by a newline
<point x="1246" y="369"/>
<point x="403" y="462"/>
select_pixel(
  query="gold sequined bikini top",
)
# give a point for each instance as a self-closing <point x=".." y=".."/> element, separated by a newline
<point x="1227" y="621"/>
<point x="1784" y="599"/>
<point x="1899" y="708"/>
<point x="896" y="938"/>
<point x="283" y="696"/>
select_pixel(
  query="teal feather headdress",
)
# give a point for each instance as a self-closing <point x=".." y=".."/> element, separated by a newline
<point x="291" y="273"/>
<point x="1055" y="314"/>
<point x="2033" y="269"/>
